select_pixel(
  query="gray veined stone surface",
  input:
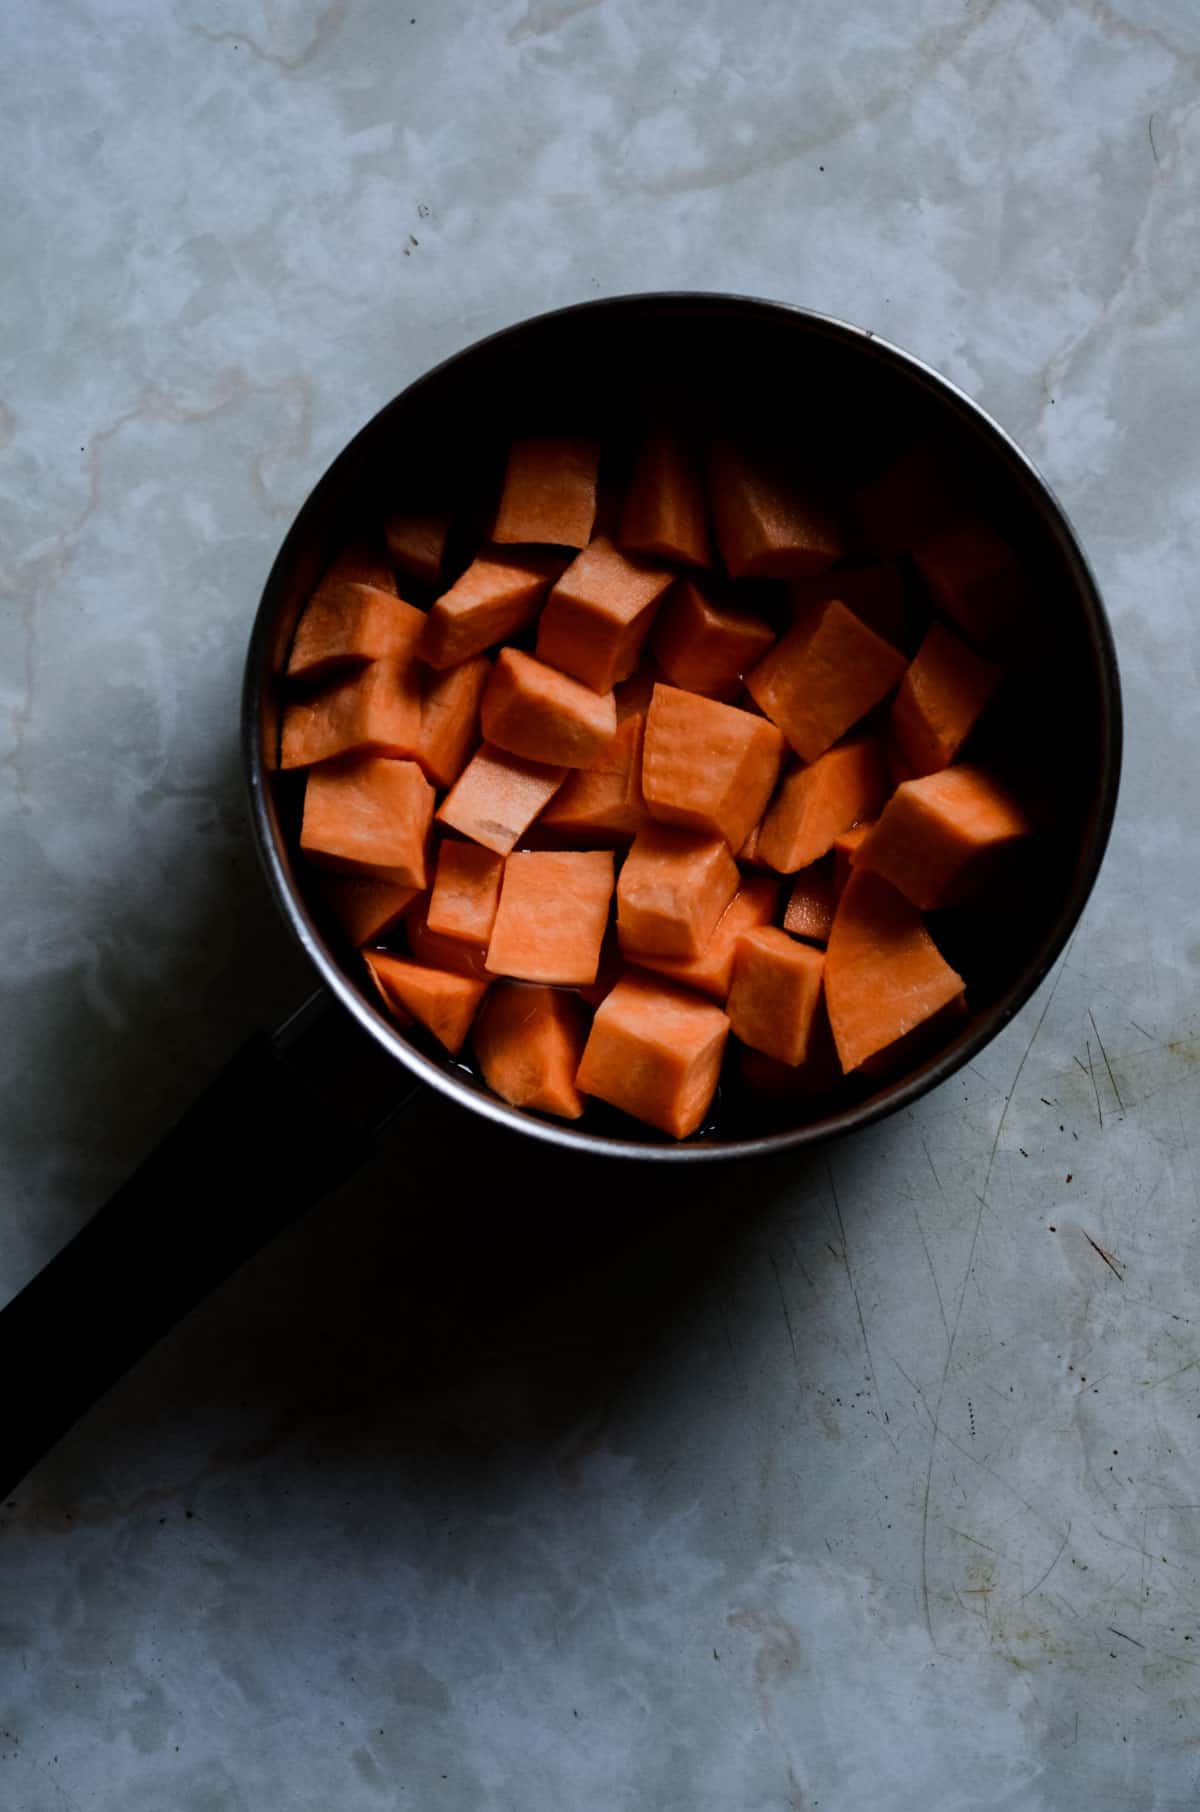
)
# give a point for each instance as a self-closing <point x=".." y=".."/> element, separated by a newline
<point x="865" y="1479"/>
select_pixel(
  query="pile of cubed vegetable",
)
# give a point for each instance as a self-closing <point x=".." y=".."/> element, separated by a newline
<point x="634" y="790"/>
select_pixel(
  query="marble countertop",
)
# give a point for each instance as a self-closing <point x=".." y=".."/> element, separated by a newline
<point x="867" y="1478"/>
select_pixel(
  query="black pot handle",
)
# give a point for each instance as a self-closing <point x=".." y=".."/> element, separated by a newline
<point x="289" y="1118"/>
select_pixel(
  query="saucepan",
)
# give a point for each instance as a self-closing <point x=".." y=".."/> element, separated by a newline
<point x="299" y="1108"/>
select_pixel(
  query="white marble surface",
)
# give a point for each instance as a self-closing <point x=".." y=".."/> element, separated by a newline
<point x="861" y="1480"/>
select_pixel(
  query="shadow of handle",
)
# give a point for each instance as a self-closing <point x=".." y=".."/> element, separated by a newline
<point x="288" y="1119"/>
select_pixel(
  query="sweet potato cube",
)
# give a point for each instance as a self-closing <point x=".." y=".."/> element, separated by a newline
<point x="939" y="701"/>
<point x="673" y="888"/>
<point x="529" y="1041"/>
<point x="708" y="766"/>
<point x="369" y="816"/>
<point x="599" y="613"/>
<point x="450" y="718"/>
<point x="846" y="846"/>
<point x="884" y="975"/>
<point x="445" y="1004"/>
<point x="362" y="561"/>
<point x="938" y="838"/>
<point x="366" y="909"/>
<point x="465" y="893"/>
<point x="666" y="511"/>
<point x="497" y="797"/>
<point x="603" y="804"/>
<point x="776" y="988"/>
<point x="809" y="911"/>
<point x="535" y="711"/>
<point x="375" y="711"/>
<point x="771" y="518"/>
<point x="826" y="673"/>
<point x="816" y="803"/>
<point x="876" y="595"/>
<point x="552" y="916"/>
<point x="704" y="646"/>
<point x="498" y="594"/>
<point x="436" y="951"/>
<point x="417" y="544"/>
<point x="549" y="492"/>
<point x="976" y="579"/>
<point x="711" y="972"/>
<point x="655" y="1052"/>
<point x="345" y="624"/>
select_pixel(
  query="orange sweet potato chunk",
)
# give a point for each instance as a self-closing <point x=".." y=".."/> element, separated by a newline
<point x="938" y="838"/>
<point x="711" y="972"/>
<point x="466" y="892"/>
<point x="529" y="1041"/>
<point x="939" y="701"/>
<point x="599" y="613"/>
<point x="846" y="846"/>
<point x="816" y="803"/>
<point x="450" y="718"/>
<point x="375" y="711"/>
<point x="435" y="951"/>
<point x="705" y="646"/>
<point x="810" y="907"/>
<point x="876" y="595"/>
<point x="673" y="888"/>
<point x="416" y="542"/>
<point x="362" y="561"/>
<point x="826" y="673"/>
<point x="499" y="593"/>
<point x="533" y="710"/>
<point x="708" y="766"/>
<point x="602" y="804"/>
<point x="776" y="989"/>
<point x="369" y="816"/>
<point x="366" y="909"/>
<point x="655" y="1052"/>
<point x="549" y="492"/>
<point x="552" y="916"/>
<point x="345" y="624"/>
<point x="666" y="511"/>
<point x="497" y="797"/>
<point x="445" y="1004"/>
<point x="771" y="518"/>
<point x="884" y="975"/>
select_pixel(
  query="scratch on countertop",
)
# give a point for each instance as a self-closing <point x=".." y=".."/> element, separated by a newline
<point x="1108" y="1258"/>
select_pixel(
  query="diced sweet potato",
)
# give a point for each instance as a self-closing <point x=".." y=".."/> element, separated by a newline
<point x="362" y="561"/>
<point x="466" y="892"/>
<point x="846" y="846"/>
<point x="435" y="951"/>
<point x="883" y="972"/>
<point x="499" y="593"/>
<point x="417" y="544"/>
<point x="938" y="837"/>
<point x="776" y="988"/>
<point x="923" y="1042"/>
<point x="939" y="701"/>
<point x="711" y="972"/>
<point x="374" y="711"/>
<point x="705" y="646"/>
<point x="826" y="673"/>
<point x="369" y="816"/>
<point x="708" y="766"/>
<point x="549" y="492"/>
<point x="497" y="797"/>
<point x="445" y="1004"/>
<point x="599" y="613"/>
<point x="809" y="911"/>
<point x="365" y="909"/>
<point x="450" y="718"/>
<point x="908" y="500"/>
<point x="674" y="886"/>
<point x="529" y="1042"/>
<point x="876" y="595"/>
<point x="976" y="579"/>
<point x="603" y="803"/>
<point x="395" y="1012"/>
<point x="816" y="803"/>
<point x="537" y="712"/>
<point x="771" y="518"/>
<point x="770" y="1083"/>
<point x="655" y="1052"/>
<point x="345" y="624"/>
<point x="666" y="512"/>
<point x="552" y="916"/>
